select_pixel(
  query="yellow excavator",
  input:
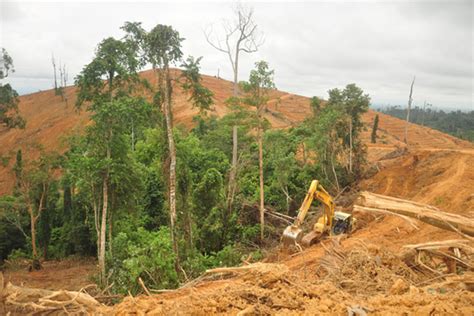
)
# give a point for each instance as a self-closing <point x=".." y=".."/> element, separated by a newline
<point x="331" y="222"/>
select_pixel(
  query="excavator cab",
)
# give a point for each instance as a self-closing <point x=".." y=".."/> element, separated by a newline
<point x="342" y="223"/>
<point x="329" y="223"/>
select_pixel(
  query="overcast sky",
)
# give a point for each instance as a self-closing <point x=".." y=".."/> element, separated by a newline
<point x="313" y="46"/>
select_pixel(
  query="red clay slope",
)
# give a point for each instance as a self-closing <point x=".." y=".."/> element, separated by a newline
<point x="50" y="120"/>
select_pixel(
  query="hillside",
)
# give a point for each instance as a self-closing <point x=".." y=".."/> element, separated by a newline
<point x="436" y="169"/>
<point x="50" y="120"/>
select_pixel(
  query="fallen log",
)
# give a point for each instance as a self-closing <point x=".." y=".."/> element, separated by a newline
<point x="423" y="212"/>
<point x="434" y="245"/>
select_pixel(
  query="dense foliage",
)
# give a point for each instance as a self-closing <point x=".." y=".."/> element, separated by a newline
<point x="456" y="123"/>
<point x="9" y="115"/>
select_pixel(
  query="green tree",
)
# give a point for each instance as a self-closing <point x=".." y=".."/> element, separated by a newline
<point x="9" y="113"/>
<point x="102" y="166"/>
<point x="162" y="47"/>
<point x="352" y="102"/>
<point x="35" y="187"/>
<point x="326" y="142"/>
<point x="257" y="88"/>
<point x="200" y="96"/>
<point x="373" y="135"/>
<point x="207" y="197"/>
<point x="315" y="104"/>
<point x="118" y="62"/>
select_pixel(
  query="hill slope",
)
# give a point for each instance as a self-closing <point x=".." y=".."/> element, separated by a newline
<point x="50" y="120"/>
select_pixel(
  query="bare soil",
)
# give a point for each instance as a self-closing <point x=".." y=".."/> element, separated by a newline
<point x="68" y="274"/>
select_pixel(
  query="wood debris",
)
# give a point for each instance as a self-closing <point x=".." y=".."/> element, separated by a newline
<point x="426" y="213"/>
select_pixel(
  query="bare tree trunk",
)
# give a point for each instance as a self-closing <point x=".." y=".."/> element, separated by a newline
<point x="233" y="170"/>
<point x="350" y="144"/>
<point x="55" y="76"/>
<point x="33" y="235"/>
<point x="236" y="73"/>
<point x="262" y="197"/>
<point x="172" y="153"/>
<point x="408" y="111"/>
<point x="110" y="229"/>
<point x="103" y="228"/>
<point x="335" y="174"/>
<point x="95" y="205"/>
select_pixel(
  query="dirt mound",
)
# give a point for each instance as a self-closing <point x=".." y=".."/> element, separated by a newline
<point x="365" y="279"/>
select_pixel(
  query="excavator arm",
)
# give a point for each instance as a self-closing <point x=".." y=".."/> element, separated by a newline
<point x="294" y="234"/>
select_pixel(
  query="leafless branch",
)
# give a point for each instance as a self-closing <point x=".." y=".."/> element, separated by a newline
<point x="238" y="35"/>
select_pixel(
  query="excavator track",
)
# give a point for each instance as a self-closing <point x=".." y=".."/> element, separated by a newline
<point x="310" y="239"/>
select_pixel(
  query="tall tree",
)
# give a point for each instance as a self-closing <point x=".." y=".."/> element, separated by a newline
<point x="162" y="47"/>
<point x="240" y="35"/>
<point x="373" y="135"/>
<point x="352" y="102"/>
<point x="9" y="114"/>
<point x="259" y="85"/>
<point x="34" y="188"/>
<point x="117" y="61"/>
<point x="237" y="36"/>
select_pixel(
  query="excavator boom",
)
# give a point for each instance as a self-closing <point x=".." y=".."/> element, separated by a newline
<point x="328" y="223"/>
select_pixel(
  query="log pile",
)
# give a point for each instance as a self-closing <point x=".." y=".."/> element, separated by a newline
<point x="29" y="300"/>
<point x="371" y="202"/>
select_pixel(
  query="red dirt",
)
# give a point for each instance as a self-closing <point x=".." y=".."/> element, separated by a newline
<point x="69" y="274"/>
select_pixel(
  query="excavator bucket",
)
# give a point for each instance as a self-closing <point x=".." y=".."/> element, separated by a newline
<point x="292" y="235"/>
<point x="310" y="238"/>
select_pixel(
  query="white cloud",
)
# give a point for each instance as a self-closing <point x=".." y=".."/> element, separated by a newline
<point x="313" y="46"/>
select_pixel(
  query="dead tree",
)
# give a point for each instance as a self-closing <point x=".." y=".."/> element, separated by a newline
<point x="410" y="99"/>
<point x="53" y="61"/>
<point x="240" y="35"/>
<point x="63" y="78"/>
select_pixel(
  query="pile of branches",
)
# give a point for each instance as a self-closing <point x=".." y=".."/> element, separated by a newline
<point x="24" y="300"/>
<point x="364" y="269"/>
<point x="440" y="258"/>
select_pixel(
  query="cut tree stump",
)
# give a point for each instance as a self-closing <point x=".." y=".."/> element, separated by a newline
<point x="371" y="202"/>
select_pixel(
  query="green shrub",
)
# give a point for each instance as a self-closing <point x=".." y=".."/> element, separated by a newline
<point x="144" y="254"/>
<point x="229" y="256"/>
<point x="18" y="254"/>
<point x="18" y="259"/>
